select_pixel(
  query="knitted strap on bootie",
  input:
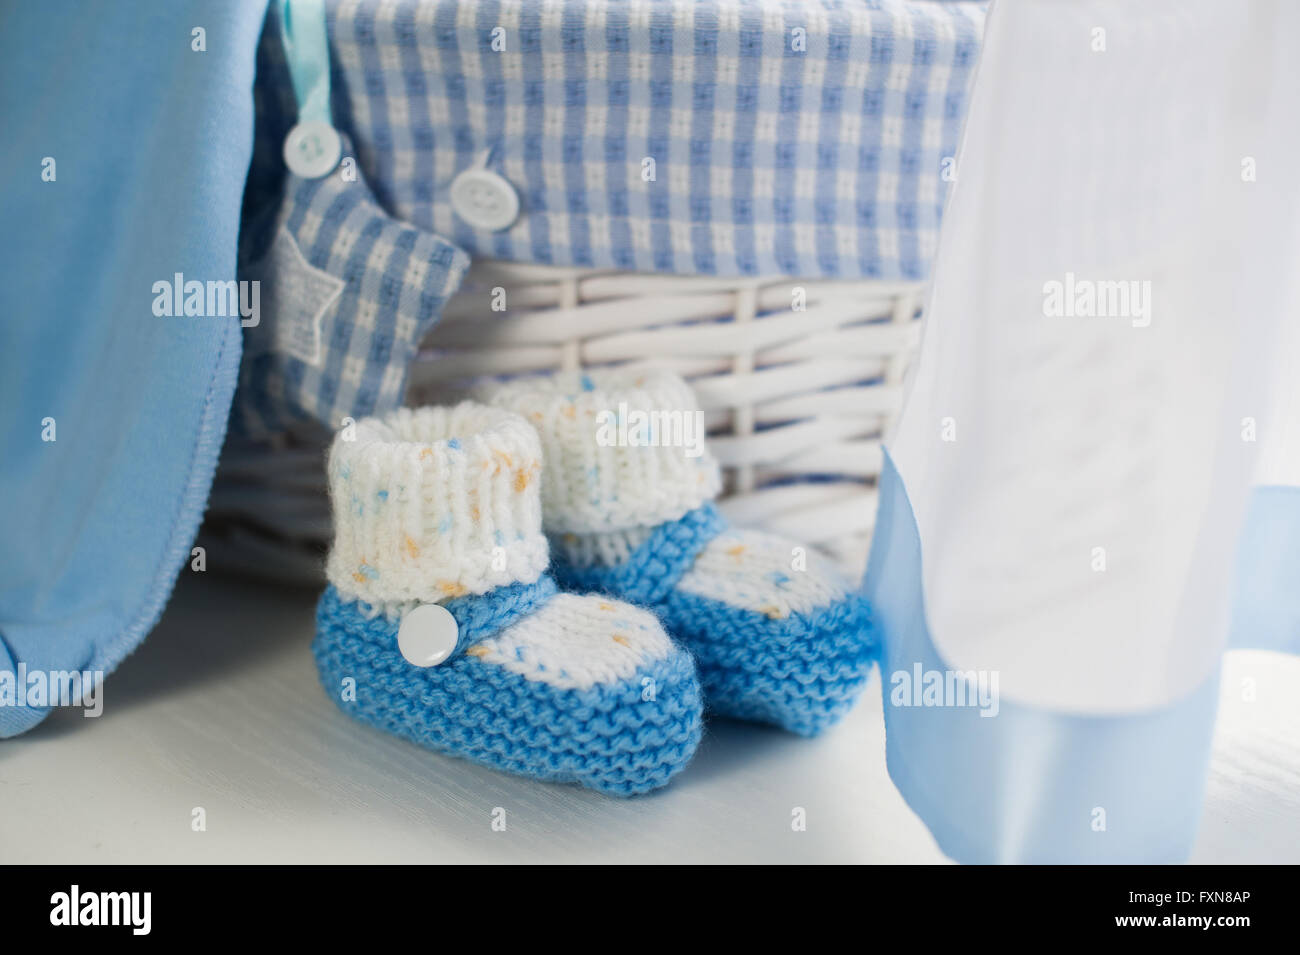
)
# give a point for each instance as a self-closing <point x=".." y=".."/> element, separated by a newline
<point x="650" y="571"/>
<point x="627" y="500"/>
<point x="477" y="618"/>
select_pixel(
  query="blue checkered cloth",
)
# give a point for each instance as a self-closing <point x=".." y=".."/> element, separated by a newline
<point x="809" y="139"/>
<point x="813" y="154"/>
<point x="347" y="293"/>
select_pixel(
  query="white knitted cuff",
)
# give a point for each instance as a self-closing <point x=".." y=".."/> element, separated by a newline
<point x="435" y="503"/>
<point x="622" y="448"/>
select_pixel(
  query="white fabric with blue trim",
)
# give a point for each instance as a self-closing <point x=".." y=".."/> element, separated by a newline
<point x="1102" y="379"/>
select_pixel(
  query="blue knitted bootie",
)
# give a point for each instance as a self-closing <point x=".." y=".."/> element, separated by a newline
<point x="627" y="496"/>
<point x="441" y="625"/>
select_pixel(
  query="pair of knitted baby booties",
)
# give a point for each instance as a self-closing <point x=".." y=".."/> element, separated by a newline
<point x="541" y="583"/>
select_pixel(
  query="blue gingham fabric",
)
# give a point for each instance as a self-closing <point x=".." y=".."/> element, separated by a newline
<point x="812" y="139"/>
<point x="347" y="292"/>
<point x="818" y="153"/>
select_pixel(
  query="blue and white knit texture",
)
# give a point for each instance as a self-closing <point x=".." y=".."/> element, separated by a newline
<point x="623" y="736"/>
<point x="787" y="138"/>
<point x="441" y="505"/>
<point x="775" y="645"/>
<point x="778" y="635"/>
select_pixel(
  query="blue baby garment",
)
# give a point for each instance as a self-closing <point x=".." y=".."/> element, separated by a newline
<point x="128" y="135"/>
<point x="347" y="293"/>
<point x="1087" y="497"/>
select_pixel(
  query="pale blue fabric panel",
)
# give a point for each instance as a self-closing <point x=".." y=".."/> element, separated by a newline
<point x="1266" y="600"/>
<point x="151" y="141"/>
<point x="1028" y="785"/>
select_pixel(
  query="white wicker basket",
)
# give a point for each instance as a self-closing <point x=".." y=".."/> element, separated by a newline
<point x="799" y="380"/>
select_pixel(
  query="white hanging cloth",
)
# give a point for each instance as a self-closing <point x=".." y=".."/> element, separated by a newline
<point x="1109" y="362"/>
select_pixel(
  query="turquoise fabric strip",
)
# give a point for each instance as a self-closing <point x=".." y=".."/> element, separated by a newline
<point x="306" y="48"/>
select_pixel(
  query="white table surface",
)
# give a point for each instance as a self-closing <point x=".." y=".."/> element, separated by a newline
<point x="220" y="709"/>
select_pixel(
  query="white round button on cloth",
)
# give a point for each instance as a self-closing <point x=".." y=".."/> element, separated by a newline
<point x="427" y="635"/>
<point x="484" y="200"/>
<point x="312" y="149"/>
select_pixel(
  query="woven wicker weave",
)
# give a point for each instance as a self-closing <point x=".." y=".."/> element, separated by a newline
<point x="799" y="380"/>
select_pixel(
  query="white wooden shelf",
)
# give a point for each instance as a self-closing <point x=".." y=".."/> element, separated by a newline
<point x="221" y="709"/>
